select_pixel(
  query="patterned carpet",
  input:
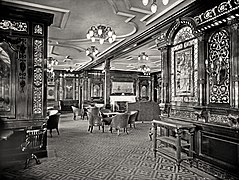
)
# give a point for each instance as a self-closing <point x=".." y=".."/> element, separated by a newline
<point x="77" y="154"/>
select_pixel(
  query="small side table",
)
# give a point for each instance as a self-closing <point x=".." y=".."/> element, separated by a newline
<point x="179" y="128"/>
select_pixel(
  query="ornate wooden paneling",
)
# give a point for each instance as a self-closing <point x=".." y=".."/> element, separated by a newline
<point x="26" y="33"/>
<point x="219" y="67"/>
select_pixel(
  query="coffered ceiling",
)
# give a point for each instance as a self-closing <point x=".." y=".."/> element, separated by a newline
<point x="73" y="18"/>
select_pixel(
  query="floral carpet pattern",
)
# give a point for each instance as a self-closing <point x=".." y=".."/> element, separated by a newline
<point x="76" y="154"/>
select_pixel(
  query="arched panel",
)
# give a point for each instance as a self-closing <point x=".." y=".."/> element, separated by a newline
<point x="184" y="63"/>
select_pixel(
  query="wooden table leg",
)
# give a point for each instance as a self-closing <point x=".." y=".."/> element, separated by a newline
<point x="178" y="148"/>
<point x="154" y="139"/>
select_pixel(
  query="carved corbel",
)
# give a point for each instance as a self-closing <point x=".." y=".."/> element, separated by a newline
<point x="201" y="115"/>
<point x="233" y="120"/>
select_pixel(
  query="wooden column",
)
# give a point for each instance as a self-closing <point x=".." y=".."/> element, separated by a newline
<point x="61" y="87"/>
<point x="88" y="88"/>
<point x="150" y="89"/>
<point x="166" y="74"/>
<point x="107" y="83"/>
<point x="85" y="82"/>
<point x="137" y="89"/>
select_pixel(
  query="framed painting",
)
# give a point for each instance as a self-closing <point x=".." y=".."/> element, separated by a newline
<point x="123" y="88"/>
<point x="184" y="72"/>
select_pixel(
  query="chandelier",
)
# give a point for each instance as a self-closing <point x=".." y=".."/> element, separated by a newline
<point x="102" y="33"/>
<point x="144" y="69"/>
<point x="92" y="51"/>
<point x="154" y="6"/>
<point x="143" y="56"/>
<point x="69" y="69"/>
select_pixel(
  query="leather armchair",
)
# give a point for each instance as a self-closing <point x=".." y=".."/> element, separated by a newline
<point x="120" y="121"/>
<point x="94" y="118"/>
<point x="52" y="122"/>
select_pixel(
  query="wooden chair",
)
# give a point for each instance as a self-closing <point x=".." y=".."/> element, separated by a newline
<point x="132" y="118"/>
<point x="120" y="121"/>
<point x="94" y="119"/>
<point x="33" y="143"/>
<point x="52" y="122"/>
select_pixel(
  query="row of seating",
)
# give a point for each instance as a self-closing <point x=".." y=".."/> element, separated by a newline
<point x="118" y="121"/>
<point x="34" y="138"/>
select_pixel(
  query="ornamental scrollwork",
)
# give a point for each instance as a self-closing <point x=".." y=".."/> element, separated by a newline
<point x="218" y="67"/>
<point x="223" y="8"/>
<point x="38" y="55"/>
<point x="13" y="25"/>
<point x="38" y="29"/>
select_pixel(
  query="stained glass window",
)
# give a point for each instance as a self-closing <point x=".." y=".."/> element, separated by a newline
<point x="183" y="34"/>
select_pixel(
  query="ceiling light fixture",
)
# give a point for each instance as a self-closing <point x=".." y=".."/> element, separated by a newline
<point x="144" y="69"/>
<point x="143" y="56"/>
<point x="91" y="51"/>
<point x="154" y="6"/>
<point x="145" y="2"/>
<point x="69" y="69"/>
<point x="102" y="33"/>
<point x="165" y="2"/>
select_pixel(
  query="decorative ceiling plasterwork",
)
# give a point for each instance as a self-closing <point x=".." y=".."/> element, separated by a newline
<point x="72" y="19"/>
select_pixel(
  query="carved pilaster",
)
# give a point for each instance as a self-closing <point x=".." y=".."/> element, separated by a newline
<point x="107" y="82"/>
<point x="234" y="64"/>
<point x="61" y="87"/>
<point x="201" y="69"/>
<point x="165" y="75"/>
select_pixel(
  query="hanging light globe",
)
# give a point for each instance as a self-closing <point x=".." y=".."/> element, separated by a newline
<point x="165" y="2"/>
<point x="145" y="2"/>
<point x="154" y="7"/>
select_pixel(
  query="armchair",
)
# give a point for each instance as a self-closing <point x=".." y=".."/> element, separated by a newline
<point x="76" y="112"/>
<point x="94" y="118"/>
<point x="52" y="122"/>
<point x="120" y="121"/>
<point x="133" y="117"/>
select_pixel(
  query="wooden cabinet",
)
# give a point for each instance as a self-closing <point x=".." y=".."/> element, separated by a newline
<point x="172" y="135"/>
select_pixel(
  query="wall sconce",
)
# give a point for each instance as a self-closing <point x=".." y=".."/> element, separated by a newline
<point x="216" y="68"/>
